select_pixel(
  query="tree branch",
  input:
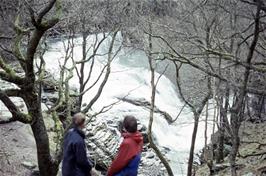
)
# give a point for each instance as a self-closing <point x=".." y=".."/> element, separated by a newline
<point x="45" y="10"/>
<point x="180" y="58"/>
<point x="17" y="115"/>
<point x="13" y="93"/>
<point x="146" y="104"/>
<point x="36" y="37"/>
<point x="8" y="74"/>
<point x="108" y="71"/>
<point x="8" y="120"/>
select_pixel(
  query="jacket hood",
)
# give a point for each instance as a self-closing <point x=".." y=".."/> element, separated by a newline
<point x="137" y="136"/>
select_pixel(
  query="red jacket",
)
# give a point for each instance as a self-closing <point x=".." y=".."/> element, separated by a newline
<point x="130" y="147"/>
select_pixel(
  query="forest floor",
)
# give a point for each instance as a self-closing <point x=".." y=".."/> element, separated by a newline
<point x="17" y="150"/>
<point x="251" y="159"/>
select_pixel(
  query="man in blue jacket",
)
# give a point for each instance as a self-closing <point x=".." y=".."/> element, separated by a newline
<point x="75" y="161"/>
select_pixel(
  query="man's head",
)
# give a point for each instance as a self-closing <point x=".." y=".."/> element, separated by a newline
<point x="130" y="124"/>
<point x="79" y="120"/>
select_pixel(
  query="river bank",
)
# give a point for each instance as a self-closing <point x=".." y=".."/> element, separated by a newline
<point x="251" y="158"/>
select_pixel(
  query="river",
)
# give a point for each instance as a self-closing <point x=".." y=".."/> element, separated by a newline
<point x="130" y="76"/>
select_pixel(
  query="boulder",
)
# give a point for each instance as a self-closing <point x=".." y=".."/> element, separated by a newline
<point x="103" y="140"/>
<point x="49" y="83"/>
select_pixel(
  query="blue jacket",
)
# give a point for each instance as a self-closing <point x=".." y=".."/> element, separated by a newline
<point x="75" y="161"/>
<point x="132" y="168"/>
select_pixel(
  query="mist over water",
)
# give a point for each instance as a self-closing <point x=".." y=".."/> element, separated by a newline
<point x="130" y="76"/>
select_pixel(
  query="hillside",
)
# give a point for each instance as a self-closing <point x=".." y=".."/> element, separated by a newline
<point x="251" y="158"/>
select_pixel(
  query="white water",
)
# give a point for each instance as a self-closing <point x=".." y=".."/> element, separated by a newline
<point x="130" y="75"/>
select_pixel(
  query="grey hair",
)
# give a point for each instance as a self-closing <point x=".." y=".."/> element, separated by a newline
<point x="78" y="118"/>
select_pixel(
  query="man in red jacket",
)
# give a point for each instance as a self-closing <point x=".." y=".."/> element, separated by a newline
<point x="128" y="158"/>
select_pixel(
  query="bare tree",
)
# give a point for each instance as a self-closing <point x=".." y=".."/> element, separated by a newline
<point x="197" y="110"/>
<point x="188" y="45"/>
<point x="27" y="84"/>
<point x="47" y="163"/>
<point x="153" y="91"/>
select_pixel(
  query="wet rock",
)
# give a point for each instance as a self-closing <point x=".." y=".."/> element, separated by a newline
<point x="49" y="98"/>
<point x="49" y="84"/>
<point x="166" y="149"/>
<point x="227" y="149"/>
<point x="28" y="165"/>
<point x="103" y="140"/>
<point x="142" y="128"/>
<point x="215" y="139"/>
<point x="249" y="174"/>
<point x="150" y="155"/>
<point x="145" y="138"/>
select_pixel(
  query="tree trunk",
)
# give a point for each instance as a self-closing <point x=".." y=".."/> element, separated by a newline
<point x="82" y="66"/>
<point x="220" y="153"/>
<point x="236" y="119"/>
<point x="206" y="126"/>
<point x="233" y="154"/>
<point x="47" y="166"/>
<point x="192" y="146"/>
<point x="237" y="110"/>
<point x="223" y="117"/>
<point x="153" y="91"/>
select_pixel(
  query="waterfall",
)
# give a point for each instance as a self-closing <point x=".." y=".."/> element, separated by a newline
<point x="130" y="76"/>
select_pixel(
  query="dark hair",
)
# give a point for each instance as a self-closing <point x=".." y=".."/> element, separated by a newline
<point x="130" y="124"/>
